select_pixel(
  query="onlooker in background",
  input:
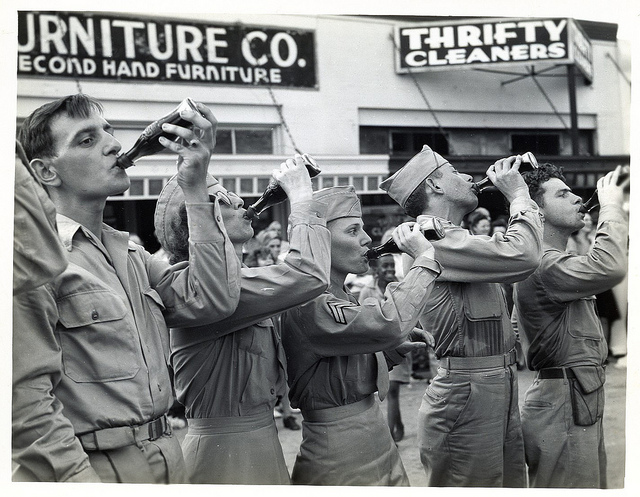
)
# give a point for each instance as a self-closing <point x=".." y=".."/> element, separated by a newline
<point x="401" y="373"/>
<point x="478" y="223"/>
<point x="229" y="374"/>
<point x="563" y="408"/>
<point x="334" y="354"/>
<point x="469" y="422"/>
<point x="259" y="258"/>
<point x="91" y="386"/>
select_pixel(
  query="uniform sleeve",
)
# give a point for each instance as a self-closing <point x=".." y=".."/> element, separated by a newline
<point x="302" y="276"/>
<point x="207" y="288"/>
<point x="567" y="277"/>
<point x="43" y="439"/>
<point x="502" y="258"/>
<point x="344" y="328"/>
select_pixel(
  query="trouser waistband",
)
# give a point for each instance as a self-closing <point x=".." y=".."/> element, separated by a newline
<point x="122" y="436"/>
<point x="336" y="413"/>
<point x="555" y="373"/>
<point x="492" y="361"/>
<point x="230" y="424"/>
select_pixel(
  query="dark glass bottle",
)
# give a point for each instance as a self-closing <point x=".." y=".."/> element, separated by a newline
<point x="431" y="229"/>
<point x="148" y="143"/>
<point x="274" y="194"/>
<point x="594" y="202"/>
<point x="529" y="163"/>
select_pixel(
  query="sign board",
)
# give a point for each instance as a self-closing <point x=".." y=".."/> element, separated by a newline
<point x="110" y="46"/>
<point x="491" y="43"/>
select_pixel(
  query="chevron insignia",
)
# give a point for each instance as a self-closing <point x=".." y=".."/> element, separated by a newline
<point x="337" y="311"/>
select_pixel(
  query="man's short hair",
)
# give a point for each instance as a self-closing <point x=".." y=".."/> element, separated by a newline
<point x="35" y="132"/>
<point x="418" y="201"/>
<point x="538" y="177"/>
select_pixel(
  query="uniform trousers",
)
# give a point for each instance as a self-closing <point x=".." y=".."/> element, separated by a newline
<point x="469" y="430"/>
<point x="348" y="445"/>
<point x="151" y="461"/>
<point x="236" y="449"/>
<point x="559" y="453"/>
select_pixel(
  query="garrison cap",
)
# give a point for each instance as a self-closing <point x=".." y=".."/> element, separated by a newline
<point x="404" y="182"/>
<point x="168" y="206"/>
<point x="341" y="201"/>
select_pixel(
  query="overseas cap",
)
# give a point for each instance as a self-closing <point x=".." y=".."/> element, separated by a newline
<point x="405" y="181"/>
<point x="166" y="217"/>
<point x="341" y="201"/>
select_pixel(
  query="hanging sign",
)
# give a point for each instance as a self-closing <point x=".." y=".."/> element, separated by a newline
<point x="492" y="42"/>
<point x="119" y="47"/>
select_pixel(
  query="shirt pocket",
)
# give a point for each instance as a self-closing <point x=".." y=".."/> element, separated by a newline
<point x="98" y="344"/>
<point x="482" y="301"/>
<point x="581" y="324"/>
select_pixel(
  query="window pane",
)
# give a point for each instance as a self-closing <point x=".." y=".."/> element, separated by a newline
<point x="254" y="141"/>
<point x="327" y="181"/>
<point x="358" y="183"/>
<point x="137" y="187"/>
<point x="229" y="184"/>
<point x="246" y="185"/>
<point x="223" y="142"/>
<point x="343" y="180"/>
<point x="538" y="143"/>
<point x="372" y="183"/>
<point x="155" y="186"/>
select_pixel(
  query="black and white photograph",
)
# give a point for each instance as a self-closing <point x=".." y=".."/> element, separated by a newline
<point x="278" y="247"/>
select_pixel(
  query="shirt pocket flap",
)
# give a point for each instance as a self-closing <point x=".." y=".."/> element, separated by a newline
<point x="83" y="309"/>
<point x="482" y="301"/>
<point x="155" y="296"/>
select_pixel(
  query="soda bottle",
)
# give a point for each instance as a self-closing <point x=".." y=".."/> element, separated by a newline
<point x="529" y="163"/>
<point x="148" y="143"/>
<point x="431" y="229"/>
<point x="594" y="202"/>
<point x="274" y="194"/>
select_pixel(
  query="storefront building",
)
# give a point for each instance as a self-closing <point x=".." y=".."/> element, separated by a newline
<point x="359" y="94"/>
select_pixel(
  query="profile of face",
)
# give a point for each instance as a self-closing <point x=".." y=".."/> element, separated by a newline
<point x="458" y="187"/>
<point x="349" y="245"/>
<point x="481" y="227"/>
<point x="561" y="207"/>
<point x="85" y="158"/>
<point x="588" y="223"/>
<point x="237" y="226"/>
<point x="386" y="270"/>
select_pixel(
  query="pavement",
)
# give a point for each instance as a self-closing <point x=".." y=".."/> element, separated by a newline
<point x="411" y="397"/>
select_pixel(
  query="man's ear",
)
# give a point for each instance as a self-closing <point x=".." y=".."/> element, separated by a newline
<point x="432" y="185"/>
<point x="46" y="172"/>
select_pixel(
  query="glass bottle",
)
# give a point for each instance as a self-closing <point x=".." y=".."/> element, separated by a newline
<point x="431" y="229"/>
<point x="148" y="143"/>
<point x="529" y="163"/>
<point x="274" y="194"/>
<point x="594" y="202"/>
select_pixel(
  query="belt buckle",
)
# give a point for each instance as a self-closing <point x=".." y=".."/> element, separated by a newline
<point x="155" y="429"/>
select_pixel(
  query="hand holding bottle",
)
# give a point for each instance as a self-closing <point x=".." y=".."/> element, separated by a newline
<point x="505" y="175"/>
<point x="411" y="241"/>
<point x="611" y="187"/>
<point x="194" y="150"/>
<point x="294" y="179"/>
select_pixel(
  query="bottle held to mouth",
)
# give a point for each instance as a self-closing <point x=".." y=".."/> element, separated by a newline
<point x="431" y="229"/>
<point x="594" y="202"/>
<point x="275" y="194"/>
<point x="148" y="143"/>
<point x="529" y="163"/>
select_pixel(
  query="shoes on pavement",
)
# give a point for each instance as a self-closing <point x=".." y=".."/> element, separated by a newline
<point x="398" y="432"/>
<point x="291" y="423"/>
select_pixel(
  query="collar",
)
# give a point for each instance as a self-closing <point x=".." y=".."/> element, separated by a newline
<point x="67" y="228"/>
<point x="443" y="221"/>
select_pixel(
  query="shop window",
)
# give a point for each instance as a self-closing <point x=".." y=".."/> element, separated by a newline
<point x="538" y="143"/>
<point x="244" y="141"/>
<point x="137" y="187"/>
<point x="155" y="186"/>
<point x="400" y="141"/>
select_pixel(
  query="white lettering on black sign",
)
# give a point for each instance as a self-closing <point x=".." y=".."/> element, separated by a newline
<point x="109" y="47"/>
